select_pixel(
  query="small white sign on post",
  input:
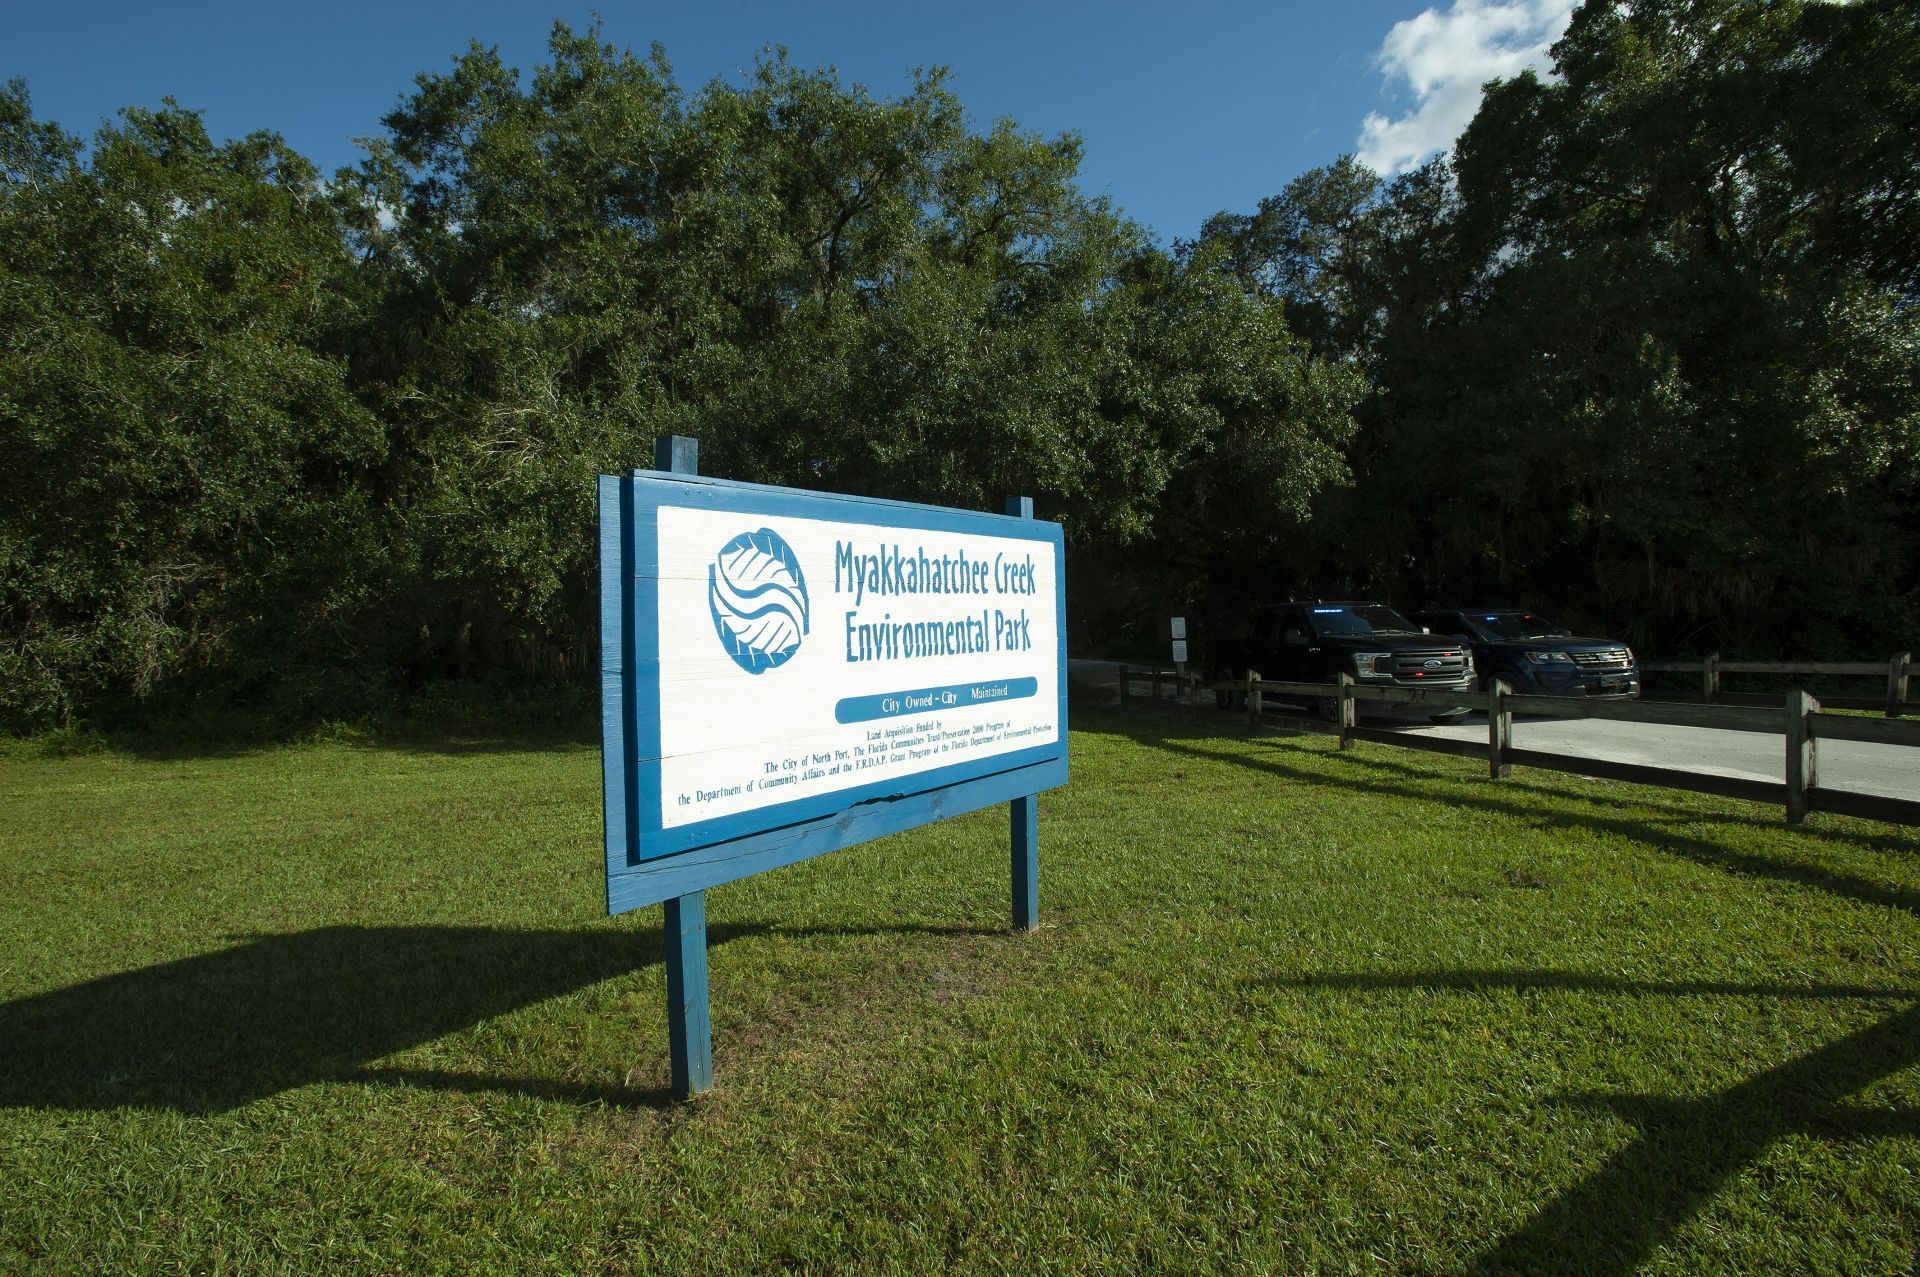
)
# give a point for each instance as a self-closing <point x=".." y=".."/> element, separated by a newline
<point x="1179" y="651"/>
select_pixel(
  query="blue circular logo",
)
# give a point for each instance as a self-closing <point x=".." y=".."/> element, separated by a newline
<point x="758" y="597"/>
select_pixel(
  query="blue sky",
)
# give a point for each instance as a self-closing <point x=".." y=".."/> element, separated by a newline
<point x="1185" y="110"/>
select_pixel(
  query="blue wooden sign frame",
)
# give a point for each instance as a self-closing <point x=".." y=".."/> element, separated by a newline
<point x="648" y="863"/>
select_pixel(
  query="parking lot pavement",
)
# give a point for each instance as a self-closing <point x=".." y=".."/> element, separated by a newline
<point x="1887" y="770"/>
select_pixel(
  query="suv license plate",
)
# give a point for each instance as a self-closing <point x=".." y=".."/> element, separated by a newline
<point x="1613" y="681"/>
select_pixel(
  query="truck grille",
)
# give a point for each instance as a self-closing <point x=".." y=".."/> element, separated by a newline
<point x="1442" y="665"/>
<point x="1616" y="657"/>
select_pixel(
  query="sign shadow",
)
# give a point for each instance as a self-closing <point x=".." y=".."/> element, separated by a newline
<point x="216" y="1031"/>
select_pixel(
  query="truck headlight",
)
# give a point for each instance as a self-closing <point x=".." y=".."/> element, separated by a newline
<point x="1373" y="664"/>
<point x="1549" y="658"/>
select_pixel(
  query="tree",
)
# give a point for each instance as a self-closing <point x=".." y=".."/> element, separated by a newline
<point x="1645" y="346"/>
<point x="180" y="431"/>
<point x="1709" y="344"/>
<point x="830" y="290"/>
<point x="311" y="445"/>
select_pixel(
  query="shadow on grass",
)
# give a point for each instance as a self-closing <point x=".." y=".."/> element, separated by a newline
<point x="1684" y="1150"/>
<point x="211" y="1033"/>
<point x="1579" y="982"/>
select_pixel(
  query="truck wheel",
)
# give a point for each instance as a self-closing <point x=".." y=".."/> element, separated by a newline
<point x="1328" y="707"/>
<point x="1229" y="700"/>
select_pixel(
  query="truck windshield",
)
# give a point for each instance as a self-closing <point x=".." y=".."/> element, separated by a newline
<point x="1516" y="625"/>
<point x="1361" y="621"/>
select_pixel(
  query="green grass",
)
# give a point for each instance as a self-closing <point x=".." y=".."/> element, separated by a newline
<point x="343" y="1006"/>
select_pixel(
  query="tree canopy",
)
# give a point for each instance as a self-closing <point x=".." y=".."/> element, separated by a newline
<point x="1645" y="349"/>
<point x="314" y="442"/>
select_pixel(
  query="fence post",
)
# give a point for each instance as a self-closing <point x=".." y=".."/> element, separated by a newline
<point x="1124" y="689"/>
<point x="1499" y="730"/>
<point x="1156" y="685"/>
<point x="1802" y="754"/>
<point x="1897" y="669"/>
<point x="1349" y="711"/>
<point x="1710" y="677"/>
<point x="1253" y="700"/>
<point x="1193" y="694"/>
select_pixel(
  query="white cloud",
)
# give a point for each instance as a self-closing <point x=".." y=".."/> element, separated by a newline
<point x="1444" y="58"/>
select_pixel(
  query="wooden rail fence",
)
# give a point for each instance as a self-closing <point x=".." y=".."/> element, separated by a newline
<point x="1800" y="721"/>
<point x="1897" y="670"/>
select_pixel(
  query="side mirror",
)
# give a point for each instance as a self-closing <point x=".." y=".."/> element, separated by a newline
<point x="1425" y="630"/>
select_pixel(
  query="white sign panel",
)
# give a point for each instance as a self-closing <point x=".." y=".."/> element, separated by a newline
<point x="801" y="657"/>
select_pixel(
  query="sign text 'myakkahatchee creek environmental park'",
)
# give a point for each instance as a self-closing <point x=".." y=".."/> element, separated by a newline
<point x="918" y="655"/>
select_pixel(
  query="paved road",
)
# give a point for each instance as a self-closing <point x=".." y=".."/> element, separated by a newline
<point x="1888" y="770"/>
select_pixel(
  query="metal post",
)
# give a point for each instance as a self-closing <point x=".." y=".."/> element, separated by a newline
<point x="1897" y="672"/>
<point x="1802" y="754"/>
<point x="1193" y="695"/>
<point x="1499" y="730"/>
<point x="1349" y="711"/>
<point x="689" y="1027"/>
<point x="689" y="1030"/>
<point x="1024" y="811"/>
<point x="1253" y="700"/>
<point x="1025" y="814"/>
<point x="1710" y="677"/>
<point x="1156" y="685"/>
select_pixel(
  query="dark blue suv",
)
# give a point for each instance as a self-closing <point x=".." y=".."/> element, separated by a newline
<point x="1534" y="656"/>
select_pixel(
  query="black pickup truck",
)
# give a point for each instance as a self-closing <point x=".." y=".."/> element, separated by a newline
<point x="1534" y="656"/>
<point x="1316" y="642"/>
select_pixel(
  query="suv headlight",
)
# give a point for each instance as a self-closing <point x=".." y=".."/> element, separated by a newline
<point x="1549" y="658"/>
<point x="1373" y="664"/>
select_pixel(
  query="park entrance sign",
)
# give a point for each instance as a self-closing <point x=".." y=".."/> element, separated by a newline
<point x="785" y="673"/>
<point x="806" y="653"/>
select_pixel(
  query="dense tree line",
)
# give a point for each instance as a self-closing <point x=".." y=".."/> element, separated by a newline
<point x="313" y="443"/>
<point x="1643" y="348"/>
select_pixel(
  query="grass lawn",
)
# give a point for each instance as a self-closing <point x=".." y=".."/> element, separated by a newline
<point x="352" y="1007"/>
